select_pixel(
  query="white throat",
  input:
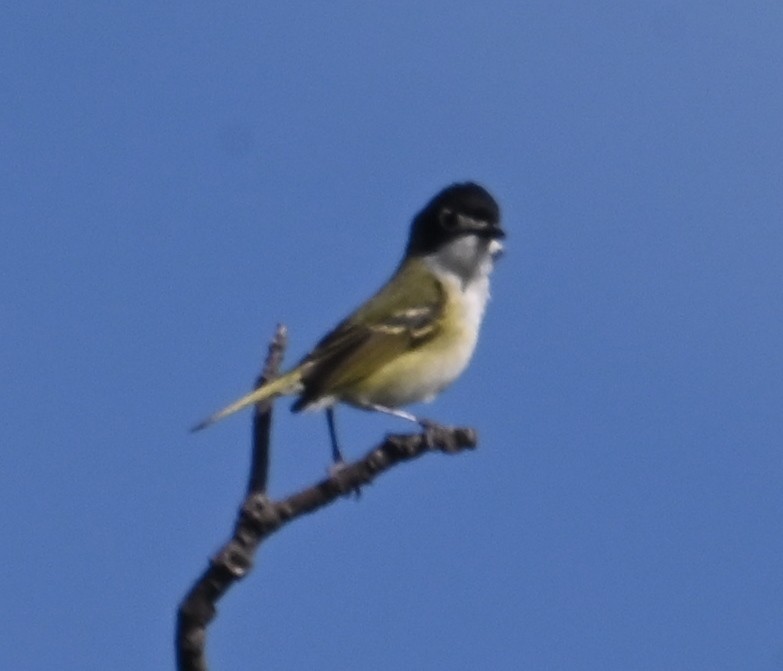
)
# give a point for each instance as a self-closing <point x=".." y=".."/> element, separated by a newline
<point x="468" y="258"/>
<point x="465" y="265"/>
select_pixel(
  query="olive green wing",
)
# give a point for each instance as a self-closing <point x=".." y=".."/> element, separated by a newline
<point x="404" y="314"/>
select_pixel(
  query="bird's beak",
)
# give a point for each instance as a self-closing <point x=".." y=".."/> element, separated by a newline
<point x="495" y="249"/>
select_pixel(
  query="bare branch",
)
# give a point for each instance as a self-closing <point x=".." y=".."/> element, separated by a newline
<point x="259" y="517"/>
<point x="198" y="607"/>
<point x="262" y="416"/>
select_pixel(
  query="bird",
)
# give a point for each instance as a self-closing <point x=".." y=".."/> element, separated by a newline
<point x="416" y="334"/>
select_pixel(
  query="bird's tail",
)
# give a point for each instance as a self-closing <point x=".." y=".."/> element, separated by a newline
<point x="290" y="383"/>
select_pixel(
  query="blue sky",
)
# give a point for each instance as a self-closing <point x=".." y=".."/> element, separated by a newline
<point x="178" y="178"/>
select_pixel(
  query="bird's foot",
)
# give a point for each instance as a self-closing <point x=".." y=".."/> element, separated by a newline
<point x="335" y="470"/>
<point x="438" y="435"/>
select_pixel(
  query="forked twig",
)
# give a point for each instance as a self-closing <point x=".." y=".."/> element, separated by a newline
<point x="259" y="517"/>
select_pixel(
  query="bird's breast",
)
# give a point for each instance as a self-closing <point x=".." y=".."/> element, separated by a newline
<point x="422" y="372"/>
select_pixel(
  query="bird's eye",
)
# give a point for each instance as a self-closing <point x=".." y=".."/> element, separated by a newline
<point x="449" y="220"/>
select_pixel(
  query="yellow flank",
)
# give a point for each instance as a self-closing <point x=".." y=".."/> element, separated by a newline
<point x="421" y="372"/>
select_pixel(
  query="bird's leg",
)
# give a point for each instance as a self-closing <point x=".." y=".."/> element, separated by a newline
<point x="396" y="412"/>
<point x="433" y="432"/>
<point x="337" y="455"/>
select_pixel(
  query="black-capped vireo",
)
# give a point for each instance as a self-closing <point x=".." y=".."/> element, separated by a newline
<point x="417" y="334"/>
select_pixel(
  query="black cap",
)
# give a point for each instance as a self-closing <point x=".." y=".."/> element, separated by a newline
<point x="464" y="208"/>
